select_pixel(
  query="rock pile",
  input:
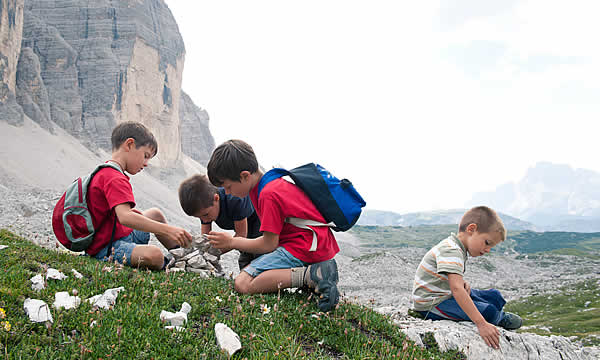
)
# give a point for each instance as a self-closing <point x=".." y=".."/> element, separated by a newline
<point x="199" y="258"/>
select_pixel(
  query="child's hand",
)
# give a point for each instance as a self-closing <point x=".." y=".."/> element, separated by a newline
<point x="490" y="334"/>
<point x="179" y="235"/>
<point x="221" y="240"/>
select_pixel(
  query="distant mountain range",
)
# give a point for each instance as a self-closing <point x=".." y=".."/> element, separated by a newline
<point x="554" y="197"/>
<point x="550" y="197"/>
<point x="438" y="217"/>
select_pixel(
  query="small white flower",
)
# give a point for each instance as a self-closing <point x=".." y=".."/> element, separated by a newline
<point x="218" y="299"/>
<point x="265" y="309"/>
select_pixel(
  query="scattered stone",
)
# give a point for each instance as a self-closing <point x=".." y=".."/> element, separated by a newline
<point x="37" y="310"/>
<point x="107" y="299"/>
<point x="227" y="339"/>
<point x="176" y="328"/>
<point x="55" y="274"/>
<point x="77" y="274"/>
<point x="93" y="324"/>
<point x="64" y="300"/>
<point x="176" y="319"/>
<point x="37" y="282"/>
<point x="200" y="258"/>
<point x="2" y="247"/>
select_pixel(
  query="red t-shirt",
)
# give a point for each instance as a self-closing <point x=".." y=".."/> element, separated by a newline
<point x="108" y="188"/>
<point x="280" y="199"/>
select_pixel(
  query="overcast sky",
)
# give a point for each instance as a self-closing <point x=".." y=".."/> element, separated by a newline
<point x="419" y="103"/>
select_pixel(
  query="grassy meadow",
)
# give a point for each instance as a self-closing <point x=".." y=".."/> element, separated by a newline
<point x="291" y="328"/>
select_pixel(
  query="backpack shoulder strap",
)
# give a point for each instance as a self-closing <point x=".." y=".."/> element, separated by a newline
<point x="269" y="176"/>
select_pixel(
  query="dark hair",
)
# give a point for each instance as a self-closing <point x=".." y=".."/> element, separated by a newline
<point x="229" y="159"/>
<point x="135" y="130"/>
<point x="486" y="219"/>
<point x="196" y="193"/>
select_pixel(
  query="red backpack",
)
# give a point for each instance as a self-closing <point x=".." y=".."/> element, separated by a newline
<point x="71" y="219"/>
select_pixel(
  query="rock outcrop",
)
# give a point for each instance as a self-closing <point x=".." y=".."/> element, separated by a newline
<point x="465" y="337"/>
<point x="196" y="140"/>
<point x="11" y="26"/>
<point x="87" y="66"/>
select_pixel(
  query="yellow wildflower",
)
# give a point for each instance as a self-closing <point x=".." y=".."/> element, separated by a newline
<point x="6" y="325"/>
<point x="2" y="313"/>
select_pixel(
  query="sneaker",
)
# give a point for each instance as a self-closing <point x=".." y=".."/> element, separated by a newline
<point x="325" y="277"/>
<point x="510" y="321"/>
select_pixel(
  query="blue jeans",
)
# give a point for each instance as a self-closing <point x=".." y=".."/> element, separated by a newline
<point x="280" y="258"/>
<point x="124" y="246"/>
<point x="488" y="302"/>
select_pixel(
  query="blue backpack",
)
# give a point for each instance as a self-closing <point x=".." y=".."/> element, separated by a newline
<point x="338" y="201"/>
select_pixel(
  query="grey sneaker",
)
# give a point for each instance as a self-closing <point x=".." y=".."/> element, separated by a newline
<point x="325" y="276"/>
<point x="510" y="321"/>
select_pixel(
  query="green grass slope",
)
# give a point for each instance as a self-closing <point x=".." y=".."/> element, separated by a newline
<point x="292" y="329"/>
<point x="524" y="242"/>
<point x="573" y="311"/>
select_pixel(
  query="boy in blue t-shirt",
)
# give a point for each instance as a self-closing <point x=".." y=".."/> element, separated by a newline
<point x="199" y="198"/>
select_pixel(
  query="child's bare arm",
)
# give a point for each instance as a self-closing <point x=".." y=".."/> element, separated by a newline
<point x="133" y="219"/>
<point x="262" y="245"/>
<point x="241" y="228"/>
<point x="488" y="332"/>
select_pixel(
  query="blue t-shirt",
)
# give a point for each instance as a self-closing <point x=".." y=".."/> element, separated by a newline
<point x="232" y="209"/>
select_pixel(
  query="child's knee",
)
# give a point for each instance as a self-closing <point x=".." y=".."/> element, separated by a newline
<point x="147" y="256"/>
<point x="242" y="283"/>
<point x="155" y="214"/>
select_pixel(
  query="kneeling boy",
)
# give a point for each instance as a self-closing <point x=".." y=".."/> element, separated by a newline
<point x="289" y="259"/>
<point x="199" y="198"/>
<point x="439" y="291"/>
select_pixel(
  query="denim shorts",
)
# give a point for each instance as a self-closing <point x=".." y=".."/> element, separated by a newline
<point x="280" y="258"/>
<point x="124" y="246"/>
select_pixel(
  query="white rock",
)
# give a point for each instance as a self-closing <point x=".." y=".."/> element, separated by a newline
<point x="190" y="255"/>
<point x="37" y="282"/>
<point x="196" y="262"/>
<point x="77" y="274"/>
<point x="55" y="274"/>
<point x="179" y="265"/>
<point x="178" y="253"/>
<point x="176" y="269"/>
<point x="37" y="310"/>
<point x="205" y="274"/>
<point x="176" y="319"/>
<point x="2" y="247"/>
<point x="107" y="299"/>
<point x="227" y="339"/>
<point x="210" y="257"/>
<point x="64" y="300"/>
<point x="93" y="324"/>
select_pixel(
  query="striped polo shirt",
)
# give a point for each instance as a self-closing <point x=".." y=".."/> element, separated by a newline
<point x="431" y="285"/>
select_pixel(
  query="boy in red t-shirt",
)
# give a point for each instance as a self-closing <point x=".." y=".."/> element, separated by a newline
<point x="288" y="259"/>
<point x="110" y="194"/>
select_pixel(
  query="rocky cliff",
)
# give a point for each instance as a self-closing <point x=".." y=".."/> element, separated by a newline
<point x="11" y="26"/>
<point x="86" y="66"/>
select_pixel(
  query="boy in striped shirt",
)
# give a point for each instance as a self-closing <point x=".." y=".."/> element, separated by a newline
<point x="439" y="290"/>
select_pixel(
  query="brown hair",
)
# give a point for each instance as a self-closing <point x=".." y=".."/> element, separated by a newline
<point x="195" y="194"/>
<point x="486" y="219"/>
<point x="135" y="130"/>
<point x="229" y="159"/>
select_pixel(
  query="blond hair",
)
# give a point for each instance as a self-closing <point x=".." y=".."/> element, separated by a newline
<point x="486" y="219"/>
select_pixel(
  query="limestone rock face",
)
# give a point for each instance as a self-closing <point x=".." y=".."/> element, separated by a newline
<point x="32" y="94"/>
<point x="11" y="25"/>
<point x="196" y="140"/>
<point x="89" y="65"/>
